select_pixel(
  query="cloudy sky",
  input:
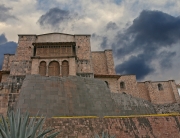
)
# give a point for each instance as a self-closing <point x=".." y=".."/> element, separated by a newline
<point x="144" y="34"/>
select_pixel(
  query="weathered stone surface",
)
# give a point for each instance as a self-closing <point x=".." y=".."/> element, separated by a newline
<point x="139" y="127"/>
<point x="76" y="96"/>
<point x="167" y="108"/>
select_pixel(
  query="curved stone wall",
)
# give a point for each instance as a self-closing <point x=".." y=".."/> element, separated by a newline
<point x="76" y="96"/>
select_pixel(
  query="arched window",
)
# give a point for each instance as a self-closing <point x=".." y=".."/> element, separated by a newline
<point x="107" y="84"/>
<point x="54" y="68"/>
<point x="160" y="87"/>
<point x="122" y="85"/>
<point x="65" y="68"/>
<point x="42" y="68"/>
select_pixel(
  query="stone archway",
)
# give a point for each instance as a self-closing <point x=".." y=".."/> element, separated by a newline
<point x="42" y="68"/>
<point x="65" y="68"/>
<point x="54" y="68"/>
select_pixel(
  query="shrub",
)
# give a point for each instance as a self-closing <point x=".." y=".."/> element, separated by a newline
<point x="22" y="126"/>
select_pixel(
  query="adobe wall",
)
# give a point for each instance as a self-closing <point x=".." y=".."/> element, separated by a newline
<point x="137" y="127"/>
<point x="8" y="58"/>
<point x="99" y="62"/>
<point x="130" y="85"/>
<point x="36" y="63"/>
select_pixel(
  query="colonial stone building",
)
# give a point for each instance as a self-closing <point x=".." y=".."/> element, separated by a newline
<point x="58" y="54"/>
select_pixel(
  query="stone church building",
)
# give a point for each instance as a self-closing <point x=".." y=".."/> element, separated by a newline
<point x="58" y="54"/>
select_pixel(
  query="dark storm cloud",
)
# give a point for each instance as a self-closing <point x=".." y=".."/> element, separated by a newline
<point x="4" y="13"/>
<point x="166" y="58"/>
<point x="150" y="32"/>
<point x="104" y="41"/>
<point x="111" y="25"/>
<point x="55" y="17"/>
<point x="2" y="39"/>
<point x="6" y="48"/>
<point x="135" y="65"/>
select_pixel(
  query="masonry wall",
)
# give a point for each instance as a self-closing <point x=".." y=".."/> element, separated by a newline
<point x="130" y="85"/>
<point x="161" y="96"/>
<point x="36" y="63"/>
<point x="175" y="90"/>
<point x="4" y="77"/>
<point x="112" y="84"/>
<point x="99" y="62"/>
<point x="21" y="65"/>
<point x="110" y="62"/>
<point x="8" y="58"/>
<point x="143" y="91"/>
<point x="4" y="97"/>
<point x="137" y="127"/>
<point x="83" y="53"/>
<point x="0" y="76"/>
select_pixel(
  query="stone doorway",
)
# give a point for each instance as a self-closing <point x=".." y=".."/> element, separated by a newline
<point x="65" y="68"/>
<point x="54" y="69"/>
<point x="42" y="68"/>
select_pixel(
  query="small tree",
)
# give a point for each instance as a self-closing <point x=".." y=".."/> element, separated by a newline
<point x="22" y="126"/>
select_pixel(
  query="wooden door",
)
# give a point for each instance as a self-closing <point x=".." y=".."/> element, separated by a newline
<point x="54" y="69"/>
<point x="65" y="68"/>
<point x="42" y="68"/>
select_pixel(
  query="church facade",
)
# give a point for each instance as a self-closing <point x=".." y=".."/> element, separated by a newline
<point x="62" y="55"/>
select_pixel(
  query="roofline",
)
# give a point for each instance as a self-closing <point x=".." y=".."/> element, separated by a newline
<point x="102" y="51"/>
<point x="155" y="81"/>
<point x="9" y="54"/>
<point x="128" y="75"/>
<point x="26" y="34"/>
<point x="83" y="34"/>
<point x="56" y="33"/>
<point x="106" y="76"/>
<point x="4" y="71"/>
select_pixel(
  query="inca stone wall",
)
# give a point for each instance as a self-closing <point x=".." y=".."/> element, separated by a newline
<point x="9" y="93"/>
<point x="76" y="96"/>
<point x="137" y="127"/>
